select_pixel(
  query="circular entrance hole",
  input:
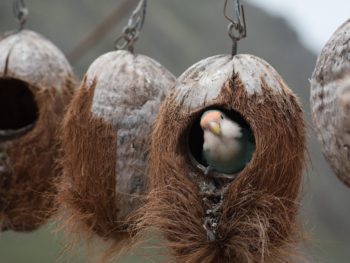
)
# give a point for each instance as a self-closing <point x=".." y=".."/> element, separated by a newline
<point x="196" y="140"/>
<point x="18" y="108"/>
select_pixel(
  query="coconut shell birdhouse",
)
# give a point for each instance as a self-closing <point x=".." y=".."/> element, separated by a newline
<point x="249" y="214"/>
<point x="330" y="101"/>
<point x="106" y="138"/>
<point x="35" y="86"/>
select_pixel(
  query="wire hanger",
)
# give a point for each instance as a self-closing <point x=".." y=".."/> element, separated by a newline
<point x="132" y="30"/>
<point x="21" y="12"/>
<point x="237" y="30"/>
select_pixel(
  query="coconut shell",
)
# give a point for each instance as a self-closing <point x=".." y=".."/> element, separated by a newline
<point x="330" y="101"/>
<point x="36" y="83"/>
<point x="247" y="217"/>
<point x="106" y="137"/>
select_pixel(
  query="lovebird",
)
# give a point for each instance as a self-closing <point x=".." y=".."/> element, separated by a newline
<point x="227" y="146"/>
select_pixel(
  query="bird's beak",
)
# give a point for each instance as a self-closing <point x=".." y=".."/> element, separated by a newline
<point x="214" y="127"/>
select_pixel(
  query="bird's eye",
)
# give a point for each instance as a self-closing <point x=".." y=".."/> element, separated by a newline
<point x="222" y="117"/>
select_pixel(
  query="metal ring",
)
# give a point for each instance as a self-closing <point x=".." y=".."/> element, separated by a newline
<point x="121" y="42"/>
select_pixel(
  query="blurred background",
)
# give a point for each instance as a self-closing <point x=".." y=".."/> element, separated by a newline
<point x="287" y="34"/>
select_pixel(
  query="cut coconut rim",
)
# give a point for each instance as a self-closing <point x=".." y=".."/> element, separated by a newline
<point x="204" y="169"/>
<point x="18" y="109"/>
<point x="195" y="143"/>
<point x="6" y="135"/>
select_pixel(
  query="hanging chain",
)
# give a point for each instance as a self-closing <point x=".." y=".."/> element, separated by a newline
<point x="237" y="30"/>
<point x="21" y="12"/>
<point x="132" y="30"/>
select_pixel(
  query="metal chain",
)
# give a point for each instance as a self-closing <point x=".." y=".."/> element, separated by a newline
<point x="21" y="12"/>
<point x="237" y="30"/>
<point x="132" y="30"/>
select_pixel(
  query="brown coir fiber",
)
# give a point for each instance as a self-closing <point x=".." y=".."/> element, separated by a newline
<point x="106" y="137"/>
<point x="258" y="217"/>
<point x="28" y="167"/>
<point x="87" y="192"/>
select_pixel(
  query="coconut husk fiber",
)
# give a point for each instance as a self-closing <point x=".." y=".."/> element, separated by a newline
<point x="36" y="83"/>
<point x="252" y="218"/>
<point x="106" y="137"/>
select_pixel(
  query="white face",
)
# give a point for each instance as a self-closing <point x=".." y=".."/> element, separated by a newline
<point x="220" y="125"/>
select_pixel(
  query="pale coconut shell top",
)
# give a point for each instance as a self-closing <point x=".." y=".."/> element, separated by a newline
<point x="203" y="82"/>
<point x="28" y="56"/>
<point x="329" y="103"/>
<point x="334" y="59"/>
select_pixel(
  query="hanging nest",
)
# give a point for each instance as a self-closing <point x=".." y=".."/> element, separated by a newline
<point x="245" y="217"/>
<point x="36" y="82"/>
<point x="106" y="136"/>
<point x="330" y="101"/>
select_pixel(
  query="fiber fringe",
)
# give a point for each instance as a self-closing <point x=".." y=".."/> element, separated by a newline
<point x="87" y="193"/>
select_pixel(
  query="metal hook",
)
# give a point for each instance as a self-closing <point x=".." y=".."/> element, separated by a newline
<point x="237" y="30"/>
<point x="132" y="30"/>
<point x="21" y="12"/>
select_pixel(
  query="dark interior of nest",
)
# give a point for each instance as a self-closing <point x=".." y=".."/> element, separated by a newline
<point x="18" y="108"/>
<point x="195" y="138"/>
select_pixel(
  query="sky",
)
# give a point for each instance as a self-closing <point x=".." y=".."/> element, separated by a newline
<point x="314" y="20"/>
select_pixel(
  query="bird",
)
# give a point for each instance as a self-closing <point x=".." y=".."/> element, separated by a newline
<point x="227" y="146"/>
